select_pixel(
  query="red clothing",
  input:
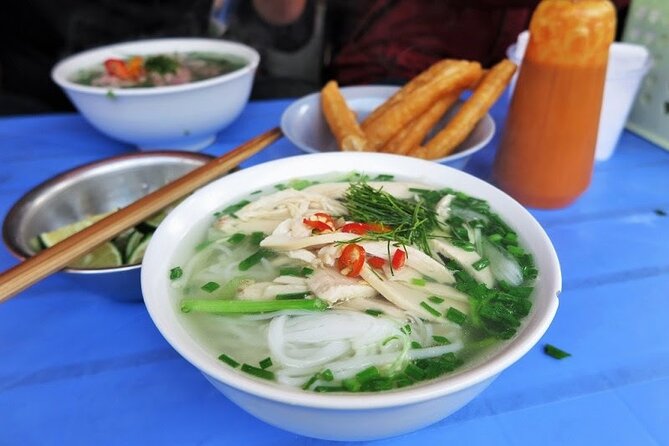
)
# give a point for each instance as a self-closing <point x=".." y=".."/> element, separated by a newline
<point x="396" y="39"/>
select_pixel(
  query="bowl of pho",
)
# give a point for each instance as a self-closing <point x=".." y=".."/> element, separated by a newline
<point x="373" y="296"/>
<point x="172" y="93"/>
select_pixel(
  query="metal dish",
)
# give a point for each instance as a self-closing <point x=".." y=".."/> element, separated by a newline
<point x="94" y="188"/>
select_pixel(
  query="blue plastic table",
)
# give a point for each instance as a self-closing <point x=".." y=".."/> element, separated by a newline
<point x="79" y="369"/>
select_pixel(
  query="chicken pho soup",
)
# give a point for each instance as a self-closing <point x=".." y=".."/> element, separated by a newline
<point x="357" y="284"/>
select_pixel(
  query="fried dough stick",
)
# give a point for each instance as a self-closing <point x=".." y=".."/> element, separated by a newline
<point x="471" y="112"/>
<point x="342" y="120"/>
<point x="413" y="134"/>
<point x="420" y="79"/>
<point x="454" y="77"/>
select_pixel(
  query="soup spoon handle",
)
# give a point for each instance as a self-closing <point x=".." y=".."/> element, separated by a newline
<point x="58" y="256"/>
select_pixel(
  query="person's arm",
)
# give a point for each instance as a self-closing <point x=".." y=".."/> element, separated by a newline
<point x="279" y="12"/>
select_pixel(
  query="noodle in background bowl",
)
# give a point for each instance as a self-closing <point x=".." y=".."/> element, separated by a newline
<point x="304" y="125"/>
<point x="361" y="416"/>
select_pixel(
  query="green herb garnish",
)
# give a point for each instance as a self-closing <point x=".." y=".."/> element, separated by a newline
<point x="265" y="363"/>
<point x="255" y="371"/>
<point x="229" y="361"/>
<point x="161" y="64"/>
<point x="176" y="273"/>
<point x="220" y="306"/>
<point x="210" y="287"/>
<point x="555" y="352"/>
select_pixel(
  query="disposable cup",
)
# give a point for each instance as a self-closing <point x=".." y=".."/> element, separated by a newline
<point x="628" y="64"/>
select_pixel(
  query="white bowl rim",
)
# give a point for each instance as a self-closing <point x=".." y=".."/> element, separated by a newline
<point x="512" y="351"/>
<point x="59" y="77"/>
<point x="386" y="90"/>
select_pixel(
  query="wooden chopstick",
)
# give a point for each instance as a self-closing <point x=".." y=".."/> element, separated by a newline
<point x="61" y="254"/>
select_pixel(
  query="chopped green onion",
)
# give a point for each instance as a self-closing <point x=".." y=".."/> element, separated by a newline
<point x="415" y="372"/>
<point x="435" y="299"/>
<point x="202" y="245"/>
<point x="429" y="309"/>
<point x="480" y="264"/>
<point x="555" y="352"/>
<point x="327" y="375"/>
<point x="466" y="246"/>
<point x="406" y="329"/>
<point x="210" y="287"/>
<point x="373" y="312"/>
<point x="255" y="192"/>
<point x="290" y="296"/>
<point x="323" y="389"/>
<point x="495" y="237"/>
<point x="351" y="384"/>
<point x="219" y="306"/>
<point x="230" y="210"/>
<point x="515" y="250"/>
<point x="237" y="238"/>
<point x="229" y="361"/>
<point x="230" y="289"/>
<point x="415" y="344"/>
<point x="253" y="259"/>
<point x="296" y="271"/>
<point x="255" y="371"/>
<point x="280" y="186"/>
<point x="455" y="315"/>
<point x="384" y="177"/>
<point x="300" y="184"/>
<point x="418" y="282"/>
<point x="265" y="363"/>
<point x="441" y="340"/>
<point x="368" y="374"/>
<point x="387" y="340"/>
<point x="310" y="382"/>
<point x="256" y="237"/>
<point x="176" y="273"/>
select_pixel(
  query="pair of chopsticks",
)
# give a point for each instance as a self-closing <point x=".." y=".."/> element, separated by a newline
<point x="60" y="255"/>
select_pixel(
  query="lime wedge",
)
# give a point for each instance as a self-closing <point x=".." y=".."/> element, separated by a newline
<point x="155" y="219"/>
<point x="134" y="241"/>
<point x="50" y="238"/>
<point x="104" y="256"/>
<point x="137" y="255"/>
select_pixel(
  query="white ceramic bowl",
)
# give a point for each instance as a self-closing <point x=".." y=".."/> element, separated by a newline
<point x="304" y="125"/>
<point x="341" y="416"/>
<point x="183" y="117"/>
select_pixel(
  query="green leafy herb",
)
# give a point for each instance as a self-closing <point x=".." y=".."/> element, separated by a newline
<point x="410" y="221"/>
<point x="161" y="64"/>
<point x="441" y="340"/>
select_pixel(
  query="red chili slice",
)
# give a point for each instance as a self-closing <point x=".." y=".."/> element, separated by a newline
<point x="351" y="260"/>
<point x="399" y="258"/>
<point x="376" y="262"/>
<point x="364" y="228"/>
<point x="117" y="68"/>
<point x="320" y="222"/>
<point x="355" y="228"/>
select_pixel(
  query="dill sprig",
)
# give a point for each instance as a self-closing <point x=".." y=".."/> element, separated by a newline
<point x="411" y="221"/>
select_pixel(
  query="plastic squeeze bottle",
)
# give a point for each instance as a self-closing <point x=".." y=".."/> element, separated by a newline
<point x="547" y="151"/>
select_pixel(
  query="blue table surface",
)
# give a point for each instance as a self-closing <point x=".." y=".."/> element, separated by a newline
<point x="77" y="368"/>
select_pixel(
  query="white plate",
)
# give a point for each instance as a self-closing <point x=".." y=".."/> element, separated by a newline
<point x="304" y="125"/>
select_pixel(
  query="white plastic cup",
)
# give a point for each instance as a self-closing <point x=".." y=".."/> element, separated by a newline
<point x="628" y="64"/>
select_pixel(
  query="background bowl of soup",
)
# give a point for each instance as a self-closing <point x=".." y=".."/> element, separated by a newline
<point x="335" y="415"/>
<point x="163" y="93"/>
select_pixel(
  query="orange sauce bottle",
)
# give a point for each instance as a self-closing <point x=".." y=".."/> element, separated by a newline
<point x="546" y="155"/>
